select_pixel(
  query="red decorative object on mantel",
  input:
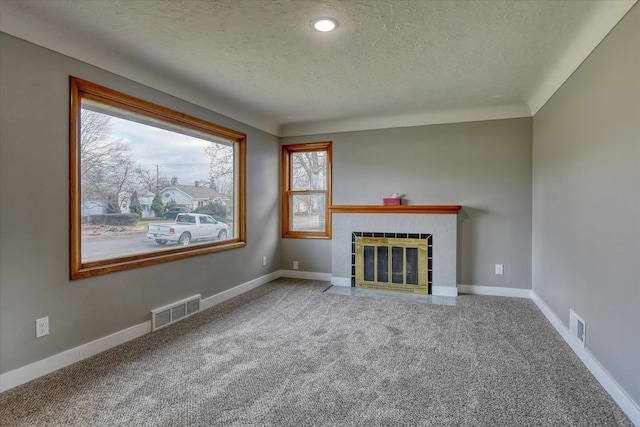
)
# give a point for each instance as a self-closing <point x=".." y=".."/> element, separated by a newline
<point x="391" y="201"/>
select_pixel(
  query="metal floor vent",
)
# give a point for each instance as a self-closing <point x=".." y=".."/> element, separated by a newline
<point x="161" y="317"/>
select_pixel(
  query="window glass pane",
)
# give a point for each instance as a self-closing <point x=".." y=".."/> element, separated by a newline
<point x="308" y="171"/>
<point x="308" y="212"/>
<point x="143" y="183"/>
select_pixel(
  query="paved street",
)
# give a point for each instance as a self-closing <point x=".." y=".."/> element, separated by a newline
<point x="112" y="247"/>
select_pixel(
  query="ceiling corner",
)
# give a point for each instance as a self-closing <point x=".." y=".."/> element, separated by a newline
<point x="603" y="20"/>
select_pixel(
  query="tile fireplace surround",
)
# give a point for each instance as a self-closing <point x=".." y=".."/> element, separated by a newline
<point x="439" y="221"/>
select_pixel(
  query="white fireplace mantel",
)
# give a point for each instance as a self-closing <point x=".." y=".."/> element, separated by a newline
<point x="439" y="221"/>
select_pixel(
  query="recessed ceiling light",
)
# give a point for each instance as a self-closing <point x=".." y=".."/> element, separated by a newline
<point x="325" y="24"/>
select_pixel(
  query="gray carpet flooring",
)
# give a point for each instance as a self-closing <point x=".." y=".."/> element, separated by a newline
<point x="288" y="354"/>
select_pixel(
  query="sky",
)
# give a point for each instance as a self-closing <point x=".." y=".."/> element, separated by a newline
<point x="176" y="154"/>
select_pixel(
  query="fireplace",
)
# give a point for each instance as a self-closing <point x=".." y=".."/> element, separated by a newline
<point x="438" y="221"/>
<point x="400" y="262"/>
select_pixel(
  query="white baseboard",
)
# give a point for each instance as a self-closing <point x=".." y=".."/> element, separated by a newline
<point x="42" y="367"/>
<point x="444" y="291"/>
<point x="238" y="290"/>
<point x="495" y="291"/>
<point x="341" y="281"/>
<point x="19" y="376"/>
<point x="609" y="384"/>
<point x="308" y="275"/>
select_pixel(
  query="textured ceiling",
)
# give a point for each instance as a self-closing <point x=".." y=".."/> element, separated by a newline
<point x="390" y="63"/>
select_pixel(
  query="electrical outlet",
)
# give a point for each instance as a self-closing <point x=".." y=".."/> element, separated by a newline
<point x="577" y="327"/>
<point x="264" y="261"/>
<point x="295" y="265"/>
<point x="42" y="327"/>
<point x="499" y="269"/>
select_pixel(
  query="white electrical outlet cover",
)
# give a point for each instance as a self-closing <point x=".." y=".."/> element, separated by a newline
<point x="577" y="327"/>
<point x="42" y="327"/>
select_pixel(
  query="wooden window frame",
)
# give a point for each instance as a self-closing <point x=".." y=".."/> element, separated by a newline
<point x="82" y="89"/>
<point x="287" y="152"/>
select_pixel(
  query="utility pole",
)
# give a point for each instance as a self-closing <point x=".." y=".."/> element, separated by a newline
<point x="157" y="178"/>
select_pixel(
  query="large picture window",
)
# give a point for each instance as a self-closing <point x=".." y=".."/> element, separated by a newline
<point x="149" y="184"/>
<point x="306" y="190"/>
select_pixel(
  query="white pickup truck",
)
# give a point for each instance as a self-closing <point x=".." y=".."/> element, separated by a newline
<point x="188" y="227"/>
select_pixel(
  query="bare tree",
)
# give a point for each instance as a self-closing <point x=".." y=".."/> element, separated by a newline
<point x="96" y="147"/>
<point x="108" y="174"/>
<point x="308" y="171"/>
<point x="150" y="180"/>
<point x="221" y="166"/>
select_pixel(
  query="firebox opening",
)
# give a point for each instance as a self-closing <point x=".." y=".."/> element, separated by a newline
<point x="400" y="262"/>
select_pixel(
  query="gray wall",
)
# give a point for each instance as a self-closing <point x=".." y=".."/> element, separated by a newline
<point x="483" y="166"/>
<point x="34" y="206"/>
<point x="586" y="203"/>
<point x="312" y="255"/>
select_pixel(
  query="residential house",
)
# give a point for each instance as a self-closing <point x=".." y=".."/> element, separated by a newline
<point x="145" y="198"/>
<point x="550" y="191"/>
<point x="192" y="196"/>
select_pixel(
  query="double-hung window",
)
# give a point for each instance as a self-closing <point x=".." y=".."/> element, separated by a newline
<point x="306" y="190"/>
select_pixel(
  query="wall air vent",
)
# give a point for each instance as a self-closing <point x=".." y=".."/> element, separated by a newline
<point x="163" y="316"/>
